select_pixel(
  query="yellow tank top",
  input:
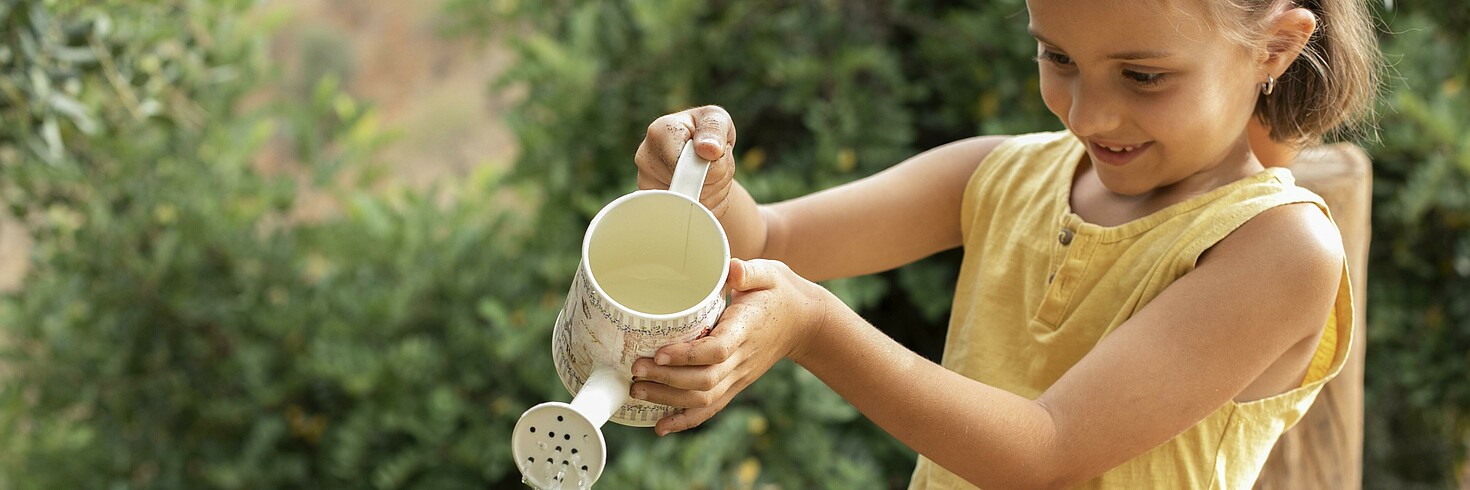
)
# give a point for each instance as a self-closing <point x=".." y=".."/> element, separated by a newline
<point x="1039" y="287"/>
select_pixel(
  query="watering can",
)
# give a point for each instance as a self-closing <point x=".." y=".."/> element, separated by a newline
<point x="653" y="272"/>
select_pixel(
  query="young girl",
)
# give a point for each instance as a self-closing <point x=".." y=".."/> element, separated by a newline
<point x="1142" y="303"/>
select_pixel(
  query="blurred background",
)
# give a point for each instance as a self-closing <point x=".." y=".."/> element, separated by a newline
<point x="321" y="243"/>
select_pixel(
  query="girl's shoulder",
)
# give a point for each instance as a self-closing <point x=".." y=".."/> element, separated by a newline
<point x="1300" y="231"/>
<point x="1033" y="156"/>
<point x="1026" y="148"/>
<point x="1034" y="162"/>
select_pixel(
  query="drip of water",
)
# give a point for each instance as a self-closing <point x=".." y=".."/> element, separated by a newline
<point x="582" y="476"/>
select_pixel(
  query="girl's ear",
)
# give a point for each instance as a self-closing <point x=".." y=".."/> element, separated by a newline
<point x="1285" y="38"/>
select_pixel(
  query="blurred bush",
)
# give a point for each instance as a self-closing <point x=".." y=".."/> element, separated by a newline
<point x="184" y="325"/>
<point x="1417" y="389"/>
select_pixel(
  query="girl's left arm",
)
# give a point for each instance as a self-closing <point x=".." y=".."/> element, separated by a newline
<point x="1199" y="344"/>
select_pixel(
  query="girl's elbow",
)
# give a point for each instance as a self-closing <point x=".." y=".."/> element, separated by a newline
<point x="1057" y="482"/>
<point x="1055" y="479"/>
<point x="1048" y="475"/>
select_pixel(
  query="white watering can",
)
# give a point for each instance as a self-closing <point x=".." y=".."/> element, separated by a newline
<point x="653" y="272"/>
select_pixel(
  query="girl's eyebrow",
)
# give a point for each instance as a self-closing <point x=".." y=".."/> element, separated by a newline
<point x="1139" y="55"/>
<point x="1038" y="36"/>
<point x="1124" y="56"/>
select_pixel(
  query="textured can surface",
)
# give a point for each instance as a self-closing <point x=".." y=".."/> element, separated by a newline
<point x="592" y="331"/>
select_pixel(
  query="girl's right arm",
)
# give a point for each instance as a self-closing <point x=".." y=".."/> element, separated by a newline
<point x="886" y="220"/>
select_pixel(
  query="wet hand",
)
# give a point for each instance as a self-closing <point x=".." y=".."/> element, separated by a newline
<point x="714" y="136"/>
<point x="771" y="315"/>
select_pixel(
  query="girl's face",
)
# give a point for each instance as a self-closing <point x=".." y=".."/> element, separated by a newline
<point x="1158" y="97"/>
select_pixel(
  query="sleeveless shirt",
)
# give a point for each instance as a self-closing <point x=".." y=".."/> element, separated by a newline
<point x="1039" y="287"/>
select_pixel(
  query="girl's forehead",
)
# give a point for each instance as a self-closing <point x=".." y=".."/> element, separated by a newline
<point x="1178" y="10"/>
<point x="1126" y="25"/>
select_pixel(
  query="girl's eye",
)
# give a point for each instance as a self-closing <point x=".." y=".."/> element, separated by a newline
<point x="1144" y="79"/>
<point x="1054" y="57"/>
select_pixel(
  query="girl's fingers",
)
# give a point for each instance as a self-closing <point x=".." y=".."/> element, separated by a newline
<point x="647" y="182"/>
<point x="667" y="395"/>
<point x="712" y="349"/>
<point x="694" y="378"/>
<point x="749" y="275"/>
<point x="689" y="418"/>
<point x="714" y="132"/>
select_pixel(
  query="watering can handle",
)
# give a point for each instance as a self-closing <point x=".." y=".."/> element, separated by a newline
<point x="689" y="173"/>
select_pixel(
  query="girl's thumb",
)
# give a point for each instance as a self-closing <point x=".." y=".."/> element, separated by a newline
<point x="747" y="275"/>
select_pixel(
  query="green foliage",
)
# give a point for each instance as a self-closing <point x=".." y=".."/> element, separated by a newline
<point x="1417" y="393"/>
<point x="185" y="324"/>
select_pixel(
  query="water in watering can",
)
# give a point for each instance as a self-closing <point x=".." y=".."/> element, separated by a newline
<point x="653" y="288"/>
<point x="657" y="254"/>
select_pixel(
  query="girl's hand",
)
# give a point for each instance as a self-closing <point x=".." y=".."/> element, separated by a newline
<point x="772" y="314"/>
<point x="714" y="136"/>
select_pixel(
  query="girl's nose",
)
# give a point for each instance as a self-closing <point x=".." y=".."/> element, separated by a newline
<point x="1093" y="111"/>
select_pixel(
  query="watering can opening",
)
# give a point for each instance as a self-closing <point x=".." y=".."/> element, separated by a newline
<point x="656" y="253"/>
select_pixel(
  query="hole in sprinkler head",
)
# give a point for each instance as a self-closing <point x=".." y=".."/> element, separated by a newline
<point x="574" y="450"/>
<point x="584" y="467"/>
<point x="558" y="449"/>
<point x="548" y="460"/>
<point x="533" y="429"/>
<point x="563" y="462"/>
<point x="558" y="418"/>
<point x="551" y="435"/>
<point x="567" y="437"/>
<point x="530" y="460"/>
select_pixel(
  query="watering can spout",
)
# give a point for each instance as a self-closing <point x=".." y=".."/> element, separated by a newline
<point x="560" y="445"/>
<point x="603" y="394"/>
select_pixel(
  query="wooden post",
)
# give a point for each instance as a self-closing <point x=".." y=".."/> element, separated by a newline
<point x="1325" y="449"/>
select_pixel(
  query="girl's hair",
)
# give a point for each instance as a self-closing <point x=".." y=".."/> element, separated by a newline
<point x="1331" y="86"/>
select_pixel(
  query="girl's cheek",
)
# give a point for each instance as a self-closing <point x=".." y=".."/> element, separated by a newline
<point x="1057" y="98"/>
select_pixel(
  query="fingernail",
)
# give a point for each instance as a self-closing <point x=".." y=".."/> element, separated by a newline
<point x="662" y="359"/>
<point x="639" y="371"/>
<point x="639" y="393"/>
<point x="709" y="141"/>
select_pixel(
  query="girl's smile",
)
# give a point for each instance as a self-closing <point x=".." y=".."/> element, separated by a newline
<point x="1117" y="154"/>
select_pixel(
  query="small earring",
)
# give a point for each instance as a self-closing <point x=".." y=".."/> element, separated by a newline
<point x="1268" y="86"/>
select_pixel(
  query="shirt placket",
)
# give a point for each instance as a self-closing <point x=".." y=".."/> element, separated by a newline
<point x="1073" y="252"/>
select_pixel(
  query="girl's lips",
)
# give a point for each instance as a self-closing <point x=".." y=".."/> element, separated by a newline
<point x="1103" y="154"/>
